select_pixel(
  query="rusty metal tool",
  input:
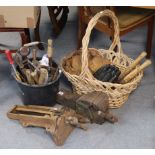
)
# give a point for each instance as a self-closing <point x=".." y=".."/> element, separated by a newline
<point x="58" y="122"/>
<point x="94" y="105"/>
<point x="24" y="61"/>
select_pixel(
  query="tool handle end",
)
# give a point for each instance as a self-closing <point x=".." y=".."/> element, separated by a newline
<point x="50" y="41"/>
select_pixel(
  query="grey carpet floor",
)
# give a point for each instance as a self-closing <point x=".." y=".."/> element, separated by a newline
<point x="136" y="125"/>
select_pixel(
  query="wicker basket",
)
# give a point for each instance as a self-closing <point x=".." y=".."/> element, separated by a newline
<point x="85" y="82"/>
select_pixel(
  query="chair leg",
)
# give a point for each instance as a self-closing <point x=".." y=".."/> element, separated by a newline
<point x="23" y="37"/>
<point x="37" y="34"/>
<point x="149" y="37"/>
<point x="81" y="32"/>
<point x="81" y="27"/>
<point x="27" y="33"/>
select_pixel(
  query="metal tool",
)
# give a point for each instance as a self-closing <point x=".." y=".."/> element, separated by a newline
<point x="11" y="61"/>
<point x="24" y="61"/>
<point x="94" y="105"/>
<point x="24" y="51"/>
<point x="58" y="122"/>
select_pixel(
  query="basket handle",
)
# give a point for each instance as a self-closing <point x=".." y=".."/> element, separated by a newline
<point x="86" y="38"/>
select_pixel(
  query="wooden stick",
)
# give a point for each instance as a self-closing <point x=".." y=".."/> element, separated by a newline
<point x="29" y="78"/>
<point x="31" y="43"/>
<point x="135" y="72"/>
<point x="34" y="54"/>
<point x="133" y="65"/>
<point x="35" y="76"/>
<point x="50" y="51"/>
<point x="43" y="79"/>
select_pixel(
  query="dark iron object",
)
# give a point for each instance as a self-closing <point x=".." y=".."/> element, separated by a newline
<point x="101" y="70"/>
<point x="107" y="73"/>
<point x="115" y="76"/>
<point x="93" y="106"/>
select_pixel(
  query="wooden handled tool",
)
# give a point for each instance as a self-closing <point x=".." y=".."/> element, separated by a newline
<point x="32" y="43"/>
<point x="29" y="78"/>
<point x="34" y="54"/>
<point x="43" y="78"/>
<point x="135" y="72"/>
<point x="133" y="65"/>
<point x="50" y="51"/>
<point x="35" y="76"/>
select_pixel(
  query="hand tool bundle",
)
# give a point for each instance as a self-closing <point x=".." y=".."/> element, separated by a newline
<point x="134" y="69"/>
<point x="111" y="73"/>
<point x="32" y="70"/>
<point x="58" y="122"/>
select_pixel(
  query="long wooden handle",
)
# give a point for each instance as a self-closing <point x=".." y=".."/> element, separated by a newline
<point x="32" y="43"/>
<point x="29" y="78"/>
<point x="35" y="76"/>
<point x="133" y="65"/>
<point x="50" y="49"/>
<point x="135" y="72"/>
<point x="34" y="54"/>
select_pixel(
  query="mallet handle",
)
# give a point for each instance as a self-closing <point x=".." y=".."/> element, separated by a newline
<point x="136" y="71"/>
<point x="133" y="65"/>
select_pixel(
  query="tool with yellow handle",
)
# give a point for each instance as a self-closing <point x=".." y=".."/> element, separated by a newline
<point x="133" y="65"/>
<point x="50" y="51"/>
<point x="43" y="78"/>
<point x="135" y="72"/>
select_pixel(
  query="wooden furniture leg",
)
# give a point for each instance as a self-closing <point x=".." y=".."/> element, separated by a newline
<point x="56" y="28"/>
<point x="27" y="35"/>
<point x="150" y="27"/>
<point x="23" y="37"/>
<point x="54" y="12"/>
<point x="37" y="34"/>
<point x="81" y="29"/>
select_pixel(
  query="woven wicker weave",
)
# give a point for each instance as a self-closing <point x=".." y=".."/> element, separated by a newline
<point x="85" y="82"/>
